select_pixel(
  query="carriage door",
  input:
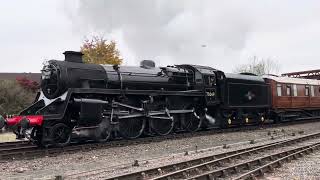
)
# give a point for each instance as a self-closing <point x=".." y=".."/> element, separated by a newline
<point x="210" y="88"/>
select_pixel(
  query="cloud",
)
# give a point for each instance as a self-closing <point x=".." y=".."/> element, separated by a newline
<point x="29" y="34"/>
<point x="169" y="31"/>
<point x="208" y="32"/>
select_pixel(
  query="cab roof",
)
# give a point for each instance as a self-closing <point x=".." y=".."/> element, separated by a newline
<point x="201" y="69"/>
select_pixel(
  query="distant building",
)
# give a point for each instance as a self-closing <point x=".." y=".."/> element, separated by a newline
<point x="13" y="76"/>
<point x="312" y="74"/>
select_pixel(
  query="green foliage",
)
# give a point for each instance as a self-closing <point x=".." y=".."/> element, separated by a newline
<point x="100" y="51"/>
<point x="13" y="97"/>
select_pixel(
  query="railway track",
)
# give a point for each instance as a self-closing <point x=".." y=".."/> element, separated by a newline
<point x="239" y="164"/>
<point x="25" y="150"/>
<point x="13" y="144"/>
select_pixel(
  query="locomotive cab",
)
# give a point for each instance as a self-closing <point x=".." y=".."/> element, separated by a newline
<point x="209" y="85"/>
<point x="206" y="80"/>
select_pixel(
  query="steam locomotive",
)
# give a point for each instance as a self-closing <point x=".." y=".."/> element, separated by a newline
<point x="104" y="101"/>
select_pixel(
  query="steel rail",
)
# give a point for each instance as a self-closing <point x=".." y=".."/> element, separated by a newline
<point x="21" y="149"/>
<point x="142" y="174"/>
<point x="275" y="160"/>
<point x="29" y="151"/>
<point x="13" y="144"/>
<point x="26" y="150"/>
<point x="182" y="169"/>
<point x="286" y="156"/>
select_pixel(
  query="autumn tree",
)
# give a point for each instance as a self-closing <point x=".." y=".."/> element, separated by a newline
<point x="259" y="66"/>
<point x="28" y="84"/>
<point x="100" y="51"/>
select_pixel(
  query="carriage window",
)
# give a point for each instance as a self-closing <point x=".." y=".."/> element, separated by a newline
<point x="288" y="90"/>
<point x="279" y="88"/>
<point x="307" y="89"/>
<point x="312" y="91"/>
<point x="295" y="90"/>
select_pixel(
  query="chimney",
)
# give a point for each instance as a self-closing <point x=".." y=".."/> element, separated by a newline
<point x="73" y="56"/>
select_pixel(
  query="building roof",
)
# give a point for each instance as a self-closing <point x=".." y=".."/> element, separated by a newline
<point x="311" y="74"/>
<point x="13" y="76"/>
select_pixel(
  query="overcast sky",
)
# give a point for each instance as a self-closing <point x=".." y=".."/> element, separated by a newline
<point x="221" y="34"/>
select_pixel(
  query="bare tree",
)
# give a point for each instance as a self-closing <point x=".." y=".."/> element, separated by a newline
<point x="259" y="66"/>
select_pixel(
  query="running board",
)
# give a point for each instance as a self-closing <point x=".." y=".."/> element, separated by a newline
<point x="153" y="114"/>
<point x="85" y="127"/>
<point x="159" y="117"/>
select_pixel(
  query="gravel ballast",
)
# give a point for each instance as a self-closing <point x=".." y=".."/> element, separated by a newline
<point x="306" y="167"/>
<point x="115" y="158"/>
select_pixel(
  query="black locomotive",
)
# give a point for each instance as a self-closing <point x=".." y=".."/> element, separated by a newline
<point x="102" y="101"/>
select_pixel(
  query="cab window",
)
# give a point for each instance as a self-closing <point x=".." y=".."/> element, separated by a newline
<point x="198" y="77"/>
<point x="209" y="81"/>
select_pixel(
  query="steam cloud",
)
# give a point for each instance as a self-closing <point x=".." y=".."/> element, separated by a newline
<point x="208" y="32"/>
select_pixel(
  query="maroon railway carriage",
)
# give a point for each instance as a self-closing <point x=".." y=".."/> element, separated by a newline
<point x="294" y="98"/>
